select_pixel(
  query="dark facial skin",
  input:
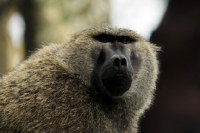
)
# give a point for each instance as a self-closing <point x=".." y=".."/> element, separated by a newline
<point x="115" y="70"/>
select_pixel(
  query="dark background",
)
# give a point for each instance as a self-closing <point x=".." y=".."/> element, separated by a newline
<point x="177" y="104"/>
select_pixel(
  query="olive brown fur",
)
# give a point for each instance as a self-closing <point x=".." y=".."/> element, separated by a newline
<point x="61" y="87"/>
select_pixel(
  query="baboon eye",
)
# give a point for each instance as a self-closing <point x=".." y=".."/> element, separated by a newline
<point x="104" y="40"/>
<point x="126" y="39"/>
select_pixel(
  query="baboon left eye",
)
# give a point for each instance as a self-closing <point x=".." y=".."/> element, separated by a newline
<point x="126" y="40"/>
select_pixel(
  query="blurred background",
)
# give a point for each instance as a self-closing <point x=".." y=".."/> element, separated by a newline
<point x="25" y="25"/>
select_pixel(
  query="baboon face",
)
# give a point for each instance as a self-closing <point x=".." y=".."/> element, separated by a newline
<point x="113" y="61"/>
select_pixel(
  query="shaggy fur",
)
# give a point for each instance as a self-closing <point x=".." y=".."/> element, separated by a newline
<point x="51" y="92"/>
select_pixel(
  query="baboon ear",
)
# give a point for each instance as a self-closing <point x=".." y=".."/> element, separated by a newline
<point x="156" y="48"/>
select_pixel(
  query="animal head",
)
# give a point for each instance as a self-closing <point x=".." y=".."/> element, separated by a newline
<point x="117" y="62"/>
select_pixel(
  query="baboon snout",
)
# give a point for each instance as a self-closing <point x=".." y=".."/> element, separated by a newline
<point x="119" y="61"/>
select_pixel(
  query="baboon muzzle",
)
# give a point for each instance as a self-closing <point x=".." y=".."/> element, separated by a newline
<point x="117" y="75"/>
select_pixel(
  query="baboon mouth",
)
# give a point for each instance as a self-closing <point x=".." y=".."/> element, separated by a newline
<point x="117" y="85"/>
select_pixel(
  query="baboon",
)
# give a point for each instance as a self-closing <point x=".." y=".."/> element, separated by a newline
<point x="100" y="81"/>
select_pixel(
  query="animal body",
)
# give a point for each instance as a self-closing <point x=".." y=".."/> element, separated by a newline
<point x="101" y="81"/>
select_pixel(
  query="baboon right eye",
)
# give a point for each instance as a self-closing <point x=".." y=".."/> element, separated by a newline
<point x="104" y="38"/>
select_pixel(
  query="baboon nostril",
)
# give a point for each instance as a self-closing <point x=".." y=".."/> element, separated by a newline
<point x="116" y="62"/>
<point x="123" y="62"/>
<point x="119" y="61"/>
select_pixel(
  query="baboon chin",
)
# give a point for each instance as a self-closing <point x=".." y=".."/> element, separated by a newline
<point x="100" y="80"/>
